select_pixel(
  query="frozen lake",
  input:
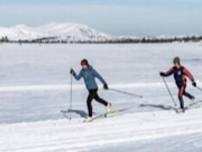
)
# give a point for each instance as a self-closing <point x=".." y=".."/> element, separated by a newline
<point x="34" y="79"/>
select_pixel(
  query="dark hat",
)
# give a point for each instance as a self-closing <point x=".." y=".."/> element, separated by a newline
<point x="176" y="60"/>
<point x="84" y="62"/>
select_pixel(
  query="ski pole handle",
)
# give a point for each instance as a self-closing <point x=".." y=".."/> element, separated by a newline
<point x="126" y="93"/>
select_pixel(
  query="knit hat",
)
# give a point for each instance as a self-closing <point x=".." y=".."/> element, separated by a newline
<point x="84" y="62"/>
<point x="176" y="60"/>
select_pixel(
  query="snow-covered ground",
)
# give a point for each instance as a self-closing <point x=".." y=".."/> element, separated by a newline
<point x="145" y="132"/>
<point x="34" y="87"/>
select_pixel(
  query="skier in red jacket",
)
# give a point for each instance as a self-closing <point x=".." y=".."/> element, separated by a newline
<point x="180" y="75"/>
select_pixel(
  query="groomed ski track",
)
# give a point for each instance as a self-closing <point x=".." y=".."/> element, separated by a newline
<point x="75" y="136"/>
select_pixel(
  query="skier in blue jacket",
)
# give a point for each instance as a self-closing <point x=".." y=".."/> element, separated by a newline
<point x="88" y="73"/>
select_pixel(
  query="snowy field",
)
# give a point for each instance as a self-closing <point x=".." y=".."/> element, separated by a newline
<point x="34" y="87"/>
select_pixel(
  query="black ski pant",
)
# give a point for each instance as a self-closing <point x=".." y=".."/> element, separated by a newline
<point x="182" y="92"/>
<point x="93" y="95"/>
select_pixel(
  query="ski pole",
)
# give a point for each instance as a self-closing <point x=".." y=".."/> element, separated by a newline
<point x="70" y="104"/>
<point x="126" y="93"/>
<point x="170" y="93"/>
<point x="199" y="88"/>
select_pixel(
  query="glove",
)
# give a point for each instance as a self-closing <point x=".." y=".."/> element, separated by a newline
<point x="72" y="72"/>
<point x="194" y="84"/>
<point x="162" y="74"/>
<point x="106" y="87"/>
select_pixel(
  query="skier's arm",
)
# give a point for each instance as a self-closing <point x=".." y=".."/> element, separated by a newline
<point x="167" y="73"/>
<point x="97" y="75"/>
<point x="188" y="74"/>
<point x="77" y="77"/>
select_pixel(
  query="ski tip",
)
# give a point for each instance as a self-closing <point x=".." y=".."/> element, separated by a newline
<point x="63" y="111"/>
<point x="87" y="121"/>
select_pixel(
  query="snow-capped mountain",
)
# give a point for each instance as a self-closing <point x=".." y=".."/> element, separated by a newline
<point x="76" y="33"/>
<point x="56" y="31"/>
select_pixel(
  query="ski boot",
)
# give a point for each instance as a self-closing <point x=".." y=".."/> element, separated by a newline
<point x="109" y="106"/>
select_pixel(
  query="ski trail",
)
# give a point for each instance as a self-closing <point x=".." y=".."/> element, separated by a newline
<point x="75" y="136"/>
<point x="61" y="87"/>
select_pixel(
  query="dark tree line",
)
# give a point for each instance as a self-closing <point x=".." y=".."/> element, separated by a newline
<point x="55" y="40"/>
<point x="4" y="39"/>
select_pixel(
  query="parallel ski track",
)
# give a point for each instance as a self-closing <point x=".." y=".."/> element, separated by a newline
<point x="75" y="136"/>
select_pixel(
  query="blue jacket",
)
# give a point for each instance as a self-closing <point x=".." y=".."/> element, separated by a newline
<point x="89" y="76"/>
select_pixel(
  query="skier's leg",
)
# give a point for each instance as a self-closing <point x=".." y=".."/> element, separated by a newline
<point x="100" y="100"/>
<point x="180" y="94"/>
<point x="89" y="103"/>
<point x="181" y="102"/>
<point x="188" y="95"/>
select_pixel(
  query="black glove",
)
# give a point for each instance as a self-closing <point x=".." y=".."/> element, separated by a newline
<point x="162" y="74"/>
<point x="106" y="87"/>
<point x="194" y="84"/>
<point x="72" y="72"/>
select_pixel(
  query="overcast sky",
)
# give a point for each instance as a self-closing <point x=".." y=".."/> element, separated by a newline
<point x="117" y="17"/>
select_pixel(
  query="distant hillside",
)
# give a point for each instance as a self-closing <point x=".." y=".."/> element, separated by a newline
<point x="76" y="33"/>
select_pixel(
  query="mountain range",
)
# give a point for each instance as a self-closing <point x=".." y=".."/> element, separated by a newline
<point x="56" y="31"/>
<point x="78" y="33"/>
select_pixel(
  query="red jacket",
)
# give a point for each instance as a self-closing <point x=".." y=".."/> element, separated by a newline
<point x="180" y="75"/>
